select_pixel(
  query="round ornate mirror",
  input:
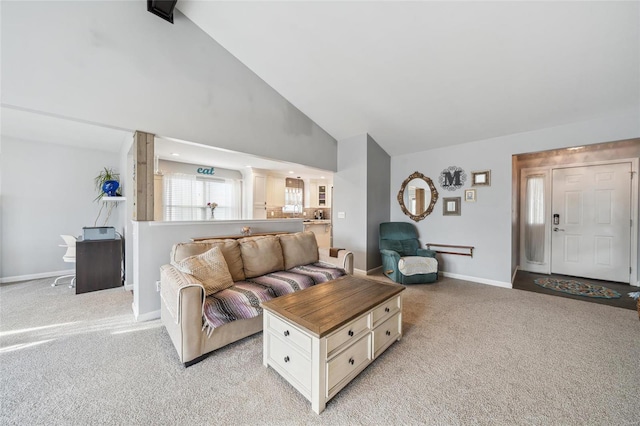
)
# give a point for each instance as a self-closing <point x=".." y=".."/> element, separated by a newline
<point x="415" y="192"/>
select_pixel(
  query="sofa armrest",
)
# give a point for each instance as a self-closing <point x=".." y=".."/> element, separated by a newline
<point x="182" y="299"/>
<point x="425" y="253"/>
<point x="178" y="290"/>
<point x="390" y="254"/>
<point x="344" y="259"/>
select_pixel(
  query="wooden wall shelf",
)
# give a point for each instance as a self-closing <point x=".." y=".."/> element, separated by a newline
<point x="459" y="250"/>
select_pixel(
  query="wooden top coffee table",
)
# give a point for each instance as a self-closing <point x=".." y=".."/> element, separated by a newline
<point x="322" y="337"/>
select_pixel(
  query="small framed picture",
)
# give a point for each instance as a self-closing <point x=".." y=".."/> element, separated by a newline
<point x="482" y="178"/>
<point x="451" y="206"/>
<point x="470" y="195"/>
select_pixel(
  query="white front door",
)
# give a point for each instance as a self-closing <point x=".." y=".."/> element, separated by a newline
<point x="592" y="237"/>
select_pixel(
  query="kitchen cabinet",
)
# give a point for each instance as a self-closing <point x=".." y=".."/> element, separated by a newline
<point x="323" y="196"/>
<point x="275" y="191"/>
<point x="319" y="194"/>
<point x="312" y="199"/>
<point x="259" y="197"/>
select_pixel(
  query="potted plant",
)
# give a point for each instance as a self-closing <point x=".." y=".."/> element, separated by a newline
<point x="107" y="183"/>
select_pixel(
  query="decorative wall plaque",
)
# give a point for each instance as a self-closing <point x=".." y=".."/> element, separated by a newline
<point x="452" y="178"/>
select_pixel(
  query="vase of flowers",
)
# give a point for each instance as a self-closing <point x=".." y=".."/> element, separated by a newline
<point x="212" y="206"/>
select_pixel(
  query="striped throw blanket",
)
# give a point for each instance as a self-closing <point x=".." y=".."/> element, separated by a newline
<point x="242" y="300"/>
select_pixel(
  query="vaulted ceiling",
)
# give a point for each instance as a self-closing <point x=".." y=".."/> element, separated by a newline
<point x="421" y="75"/>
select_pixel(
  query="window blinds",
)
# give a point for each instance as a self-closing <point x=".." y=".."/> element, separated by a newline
<point x="185" y="197"/>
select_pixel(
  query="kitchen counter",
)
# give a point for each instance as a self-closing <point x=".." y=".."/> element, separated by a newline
<point x="322" y="229"/>
<point x="317" y="221"/>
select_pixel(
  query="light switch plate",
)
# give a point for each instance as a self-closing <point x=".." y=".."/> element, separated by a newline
<point x="342" y="215"/>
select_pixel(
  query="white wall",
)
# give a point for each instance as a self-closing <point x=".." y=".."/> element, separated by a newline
<point x="361" y="187"/>
<point x="114" y="63"/>
<point x="350" y="198"/>
<point x="378" y="204"/>
<point x="487" y="223"/>
<point x="47" y="190"/>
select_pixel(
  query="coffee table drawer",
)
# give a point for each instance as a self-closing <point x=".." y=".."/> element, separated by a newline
<point x="353" y="359"/>
<point x="289" y="333"/>
<point x="387" y="308"/>
<point x="293" y="364"/>
<point x="386" y="332"/>
<point x="347" y="333"/>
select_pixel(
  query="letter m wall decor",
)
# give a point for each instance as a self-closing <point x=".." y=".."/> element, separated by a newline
<point x="452" y="178"/>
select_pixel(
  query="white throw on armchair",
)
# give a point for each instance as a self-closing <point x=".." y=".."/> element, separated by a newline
<point x="70" y="257"/>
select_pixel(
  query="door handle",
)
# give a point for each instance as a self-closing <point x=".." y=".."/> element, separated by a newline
<point x="556" y="229"/>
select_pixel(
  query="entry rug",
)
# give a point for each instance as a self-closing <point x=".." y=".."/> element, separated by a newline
<point x="577" y="288"/>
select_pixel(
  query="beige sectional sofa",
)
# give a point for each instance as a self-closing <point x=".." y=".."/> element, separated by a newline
<point x="252" y="261"/>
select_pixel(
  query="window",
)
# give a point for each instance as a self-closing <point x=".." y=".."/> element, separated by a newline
<point x="293" y="196"/>
<point x="534" y="226"/>
<point x="185" y="197"/>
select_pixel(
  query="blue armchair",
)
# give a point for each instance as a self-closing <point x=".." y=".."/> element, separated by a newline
<point x="399" y="240"/>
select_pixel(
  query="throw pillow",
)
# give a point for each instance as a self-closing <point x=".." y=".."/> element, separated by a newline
<point x="209" y="268"/>
<point x="299" y="249"/>
<point x="230" y="250"/>
<point x="261" y="255"/>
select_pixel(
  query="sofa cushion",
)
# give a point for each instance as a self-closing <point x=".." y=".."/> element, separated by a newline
<point x="261" y="255"/>
<point x="209" y="268"/>
<point x="230" y="250"/>
<point x="299" y="249"/>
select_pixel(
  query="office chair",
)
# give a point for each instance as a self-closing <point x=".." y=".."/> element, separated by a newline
<point x="70" y="257"/>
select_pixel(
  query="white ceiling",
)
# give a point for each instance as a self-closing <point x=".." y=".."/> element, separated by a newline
<point x="28" y="125"/>
<point x="420" y="75"/>
<point x="166" y="149"/>
<point x="414" y="75"/>
<point x="32" y="126"/>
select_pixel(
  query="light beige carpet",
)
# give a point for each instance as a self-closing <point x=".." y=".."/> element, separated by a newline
<point x="471" y="354"/>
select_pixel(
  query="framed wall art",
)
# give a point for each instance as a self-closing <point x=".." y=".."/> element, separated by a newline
<point x="451" y="206"/>
<point x="470" y="195"/>
<point x="482" y="178"/>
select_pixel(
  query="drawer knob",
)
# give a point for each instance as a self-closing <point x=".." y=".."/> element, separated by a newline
<point x="386" y="309"/>
<point x="286" y="359"/>
<point x="351" y="361"/>
<point x="388" y="333"/>
<point x="350" y="333"/>
<point x="286" y="333"/>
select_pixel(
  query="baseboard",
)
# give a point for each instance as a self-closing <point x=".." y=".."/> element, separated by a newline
<point x="36" y="276"/>
<point x="128" y="287"/>
<point x="368" y="272"/>
<point x="374" y="270"/>
<point x="513" y="277"/>
<point x="477" y="280"/>
<point x="144" y="317"/>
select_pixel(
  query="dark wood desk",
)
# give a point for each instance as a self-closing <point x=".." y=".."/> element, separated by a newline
<point x="98" y="265"/>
